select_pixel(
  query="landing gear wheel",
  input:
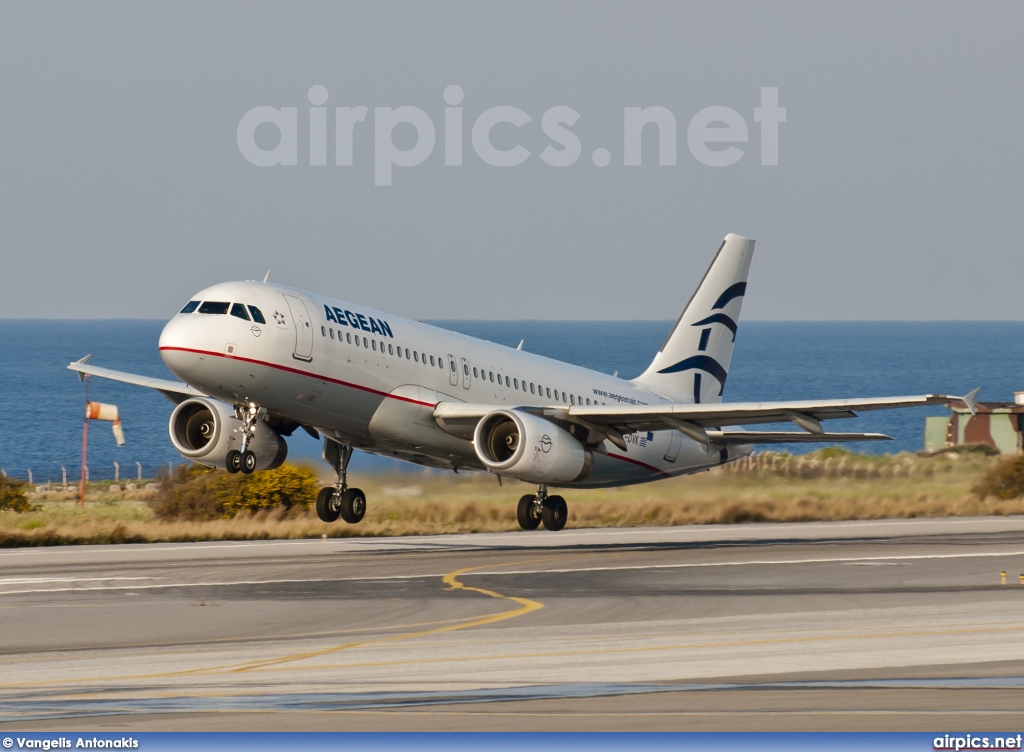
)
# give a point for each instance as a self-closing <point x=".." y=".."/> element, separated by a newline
<point x="555" y="513"/>
<point x="353" y="505"/>
<point x="248" y="462"/>
<point x="233" y="461"/>
<point x="327" y="508"/>
<point x="524" y="513"/>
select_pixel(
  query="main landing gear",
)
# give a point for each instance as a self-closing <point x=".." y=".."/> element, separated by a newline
<point x="339" y="500"/>
<point x="244" y="459"/>
<point x="535" y="509"/>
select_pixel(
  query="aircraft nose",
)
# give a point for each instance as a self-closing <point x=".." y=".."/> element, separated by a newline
<point x="177" y="349"/>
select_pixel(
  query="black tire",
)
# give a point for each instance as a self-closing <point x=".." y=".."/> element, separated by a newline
<point x="555" y="513"/>
<point x="353" y="505"/>
<point x="248" y="462"/>
<point x="326" y="509"/>
<point x="524" y="513"/>
<point x="233" y="463"/>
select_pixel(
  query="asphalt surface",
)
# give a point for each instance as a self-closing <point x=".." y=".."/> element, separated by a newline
<point x="819" y="626"/>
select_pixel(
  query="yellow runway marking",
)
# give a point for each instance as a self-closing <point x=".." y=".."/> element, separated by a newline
<point x="525" y="606"/>
<point x="451" y="579"/>
<point x="656" y="648"/>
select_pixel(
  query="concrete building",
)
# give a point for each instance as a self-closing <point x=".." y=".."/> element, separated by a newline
<point x="998" y="424"/>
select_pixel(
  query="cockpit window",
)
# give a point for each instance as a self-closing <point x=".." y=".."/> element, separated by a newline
<point x="190" y="306"/>
<point x="213" y="307"/>
<point x="257" y="316"/>
<point x="239" y="310"/>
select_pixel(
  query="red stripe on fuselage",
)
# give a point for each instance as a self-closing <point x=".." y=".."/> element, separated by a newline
<point x="300" y="372"/>
<point x="644" y="465"/>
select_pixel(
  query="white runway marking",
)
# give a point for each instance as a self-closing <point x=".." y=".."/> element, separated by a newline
<point x="758" y="562"/>
<point x="28" y="580"/>
<point x="505" y="572"/>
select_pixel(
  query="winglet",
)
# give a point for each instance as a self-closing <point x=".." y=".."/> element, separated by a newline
<point x="83" y="361"/>
<point x="969" y="400"/>
<point x="266" y="276"/>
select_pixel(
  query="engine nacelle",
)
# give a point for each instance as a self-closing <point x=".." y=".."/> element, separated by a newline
<point x="203" y="430"/>
<point x="521" y="445"/>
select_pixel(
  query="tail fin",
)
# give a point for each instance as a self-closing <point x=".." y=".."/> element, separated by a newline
<point x="694" y="361"/>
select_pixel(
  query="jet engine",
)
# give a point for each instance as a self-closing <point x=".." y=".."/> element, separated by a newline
<point x="521" y="445"/>
<point x="203" y="430"/>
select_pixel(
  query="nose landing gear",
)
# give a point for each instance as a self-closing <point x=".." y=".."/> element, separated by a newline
<point x="535" y="509"/>
<point x="339" y="500"/>
<point x="244" y="459"/>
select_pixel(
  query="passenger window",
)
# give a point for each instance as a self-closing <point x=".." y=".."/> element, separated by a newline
<point x="357" y="341"/>
<point x="365" y="343"/>
<point x="508" y="381"/>
<point x="549" y="392"/>
<point x="465" y="368"/>
<point x="257" y="315"/>
<point x="348" y="338"/>
<point x="323" y="331"/>
<point x="452" y="364"/>
<point x="331" y="332"/>
<point x="190" y="306"/>
<point x="515" y="383"/>
<point x="475" y="374"/>
<point x="588" y="401"/>
<point x="531" y="388"/>
<point x="407" y="353"/>
<point x="238" y="311"/>
<point x="490" y="374"/>
<point x="214" y="308"/>
<point x="391" y="350"/>
<point x="374" y="343"/>
<point x="572" y="400"/>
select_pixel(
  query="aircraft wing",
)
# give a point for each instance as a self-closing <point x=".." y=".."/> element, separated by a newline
<point x="175" y="391"/>
<point x="703" y="422"/>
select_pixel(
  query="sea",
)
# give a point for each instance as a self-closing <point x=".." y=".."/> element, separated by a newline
<point x="42" y="403"/>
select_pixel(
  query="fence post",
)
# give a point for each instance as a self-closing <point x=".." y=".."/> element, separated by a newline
<point x="139" y="466"/>
<point x="117" y="472"/>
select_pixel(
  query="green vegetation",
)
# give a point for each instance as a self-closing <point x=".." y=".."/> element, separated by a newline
<point x="1003" y="481"/>
<point x="199" y="504"/>
<point x="199" y="493"/>
<point x="12" y="495"/>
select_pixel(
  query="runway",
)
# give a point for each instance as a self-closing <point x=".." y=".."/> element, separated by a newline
<point x="887" y="625"/>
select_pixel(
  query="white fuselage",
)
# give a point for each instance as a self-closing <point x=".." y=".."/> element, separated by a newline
<point x="371" y="379"/>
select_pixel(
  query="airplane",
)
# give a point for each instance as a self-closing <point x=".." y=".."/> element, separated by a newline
<point x="258" y="361"/>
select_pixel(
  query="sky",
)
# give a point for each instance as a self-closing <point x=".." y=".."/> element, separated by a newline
<point x="132" y="137"/>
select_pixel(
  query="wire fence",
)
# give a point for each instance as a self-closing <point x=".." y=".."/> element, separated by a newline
<point x="71" y="474"/>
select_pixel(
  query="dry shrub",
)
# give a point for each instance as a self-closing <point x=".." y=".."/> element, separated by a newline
<point x="200" y="493"/>
<point x="1004" y="481"/>
<point x="12" y="495"/>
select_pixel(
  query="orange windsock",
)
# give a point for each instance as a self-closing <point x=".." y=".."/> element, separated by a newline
<point x="101" y="411"/>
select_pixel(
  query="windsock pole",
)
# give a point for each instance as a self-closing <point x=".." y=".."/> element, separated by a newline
<point x="85" y="443"/>
<point x="97" y="411"/>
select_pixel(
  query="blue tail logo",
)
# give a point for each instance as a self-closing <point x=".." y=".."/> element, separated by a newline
<point x="705" y="362"/>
